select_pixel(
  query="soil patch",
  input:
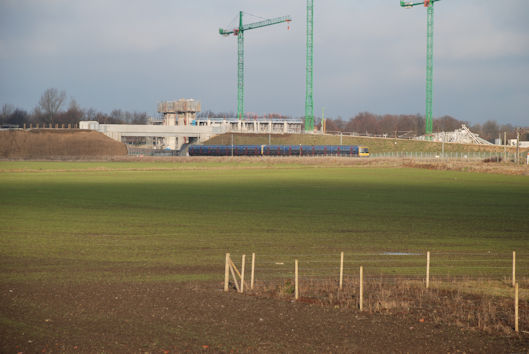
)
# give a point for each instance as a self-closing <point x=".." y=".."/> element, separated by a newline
<point x="162" y="317"/>
<point x="56" y="143"/>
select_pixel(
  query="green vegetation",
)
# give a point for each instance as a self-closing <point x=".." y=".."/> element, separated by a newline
<point x="136" y="222"/>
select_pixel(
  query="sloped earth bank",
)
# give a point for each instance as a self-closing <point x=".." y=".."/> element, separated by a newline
<point x="195" y="317"/>
<point x="57" y="144"/>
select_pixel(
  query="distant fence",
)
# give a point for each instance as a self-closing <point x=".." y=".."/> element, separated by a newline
<point x="473" y="155"/>
<point x="133" y="151"/>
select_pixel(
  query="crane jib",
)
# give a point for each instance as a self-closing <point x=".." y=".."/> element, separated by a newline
<point x="269" y="22"/>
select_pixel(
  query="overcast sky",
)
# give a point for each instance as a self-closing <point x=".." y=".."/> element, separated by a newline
<point x="368" y="56"/>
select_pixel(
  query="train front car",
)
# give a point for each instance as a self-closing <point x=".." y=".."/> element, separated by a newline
<point x="363" y="151"/>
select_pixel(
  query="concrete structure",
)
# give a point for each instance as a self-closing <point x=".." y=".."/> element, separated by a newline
<point x="178" y="113"/>
<point x="182" y="134"/>
<point x="201" y="129"/>
<point x="181" y="126"/>
<point x="256" y="126"/>
<point x="181" y="112"/>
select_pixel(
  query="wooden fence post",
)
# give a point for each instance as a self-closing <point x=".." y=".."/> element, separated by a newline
<point x="341" y="271"/>
<point x="361" y="300"/>
<point x="427" y="269"/>
<point x="516" y="329"/>
<point x="513" y="268"/>
<point x="253" y="271"/>
<point x="232" y="267"/>
<point x="296" y="280"/>
<point x="227" y="272"/>
<point x="243" y="261"/>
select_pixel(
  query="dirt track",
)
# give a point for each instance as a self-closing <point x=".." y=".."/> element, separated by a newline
<point x="197" y="317"/>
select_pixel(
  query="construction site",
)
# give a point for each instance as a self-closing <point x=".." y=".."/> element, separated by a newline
<point x="189" y="230"/>
<point x="180" y="125"/>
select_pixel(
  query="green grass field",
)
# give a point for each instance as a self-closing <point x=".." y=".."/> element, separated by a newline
<point x="127" y="221"/>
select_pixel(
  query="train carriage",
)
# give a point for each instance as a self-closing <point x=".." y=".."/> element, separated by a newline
<point x="279" y="150"/>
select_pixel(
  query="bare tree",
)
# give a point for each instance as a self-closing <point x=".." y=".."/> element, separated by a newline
<point x="51" y="102"/>
<point x="73" y="114"/>
<point x="490" y="130"/>
<point x="7" y="110"/>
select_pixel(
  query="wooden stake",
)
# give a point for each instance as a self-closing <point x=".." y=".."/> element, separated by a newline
<point x="361" y="300"/>
<point x="516" y="329"/>
<point x="235" y="269"/>
<point x="427" y="269"/>
<point x="513" y="268"/>
<point x="227" y="272"/>
<point x="253" y="271"/>
<point x="341" y="271"/>
<point x="243" y="262"/>
<point x="234" y="278"/>
<point x="296" y="280"/>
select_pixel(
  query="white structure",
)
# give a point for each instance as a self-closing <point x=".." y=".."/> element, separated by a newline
<point x="256" y="126"/>
<point x="175" y="136"/>
<point x="181" y="126"/>
<point x="183" y="134"/>
<point x="460" y="136"/>
<point x="523" y="144"/>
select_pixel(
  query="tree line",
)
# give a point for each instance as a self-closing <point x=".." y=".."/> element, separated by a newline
<point x="52" y="109"/>
<point x="413" y="125"/>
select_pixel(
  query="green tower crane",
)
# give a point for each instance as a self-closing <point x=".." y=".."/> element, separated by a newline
<point x="239" y="32"/>
<point x="429" y="58"/>
<point x="309" y="100"/>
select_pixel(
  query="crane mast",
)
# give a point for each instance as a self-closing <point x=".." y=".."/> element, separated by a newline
<point x="429" y="4"/>
<point x="239" y="32"/>
<point x="309" y="100"/>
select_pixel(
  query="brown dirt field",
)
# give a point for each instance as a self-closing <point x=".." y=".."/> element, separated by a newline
<point x="197" y="317"/>
<point x="57" y="143"/>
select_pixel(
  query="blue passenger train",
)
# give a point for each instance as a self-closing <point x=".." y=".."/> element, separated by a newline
<point x="279" y="150"/>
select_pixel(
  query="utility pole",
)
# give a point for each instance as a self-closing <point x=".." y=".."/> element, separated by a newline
<point x="443" y="152"/>
<point x="505" y="146"/>
<point x="517" y="159"/>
